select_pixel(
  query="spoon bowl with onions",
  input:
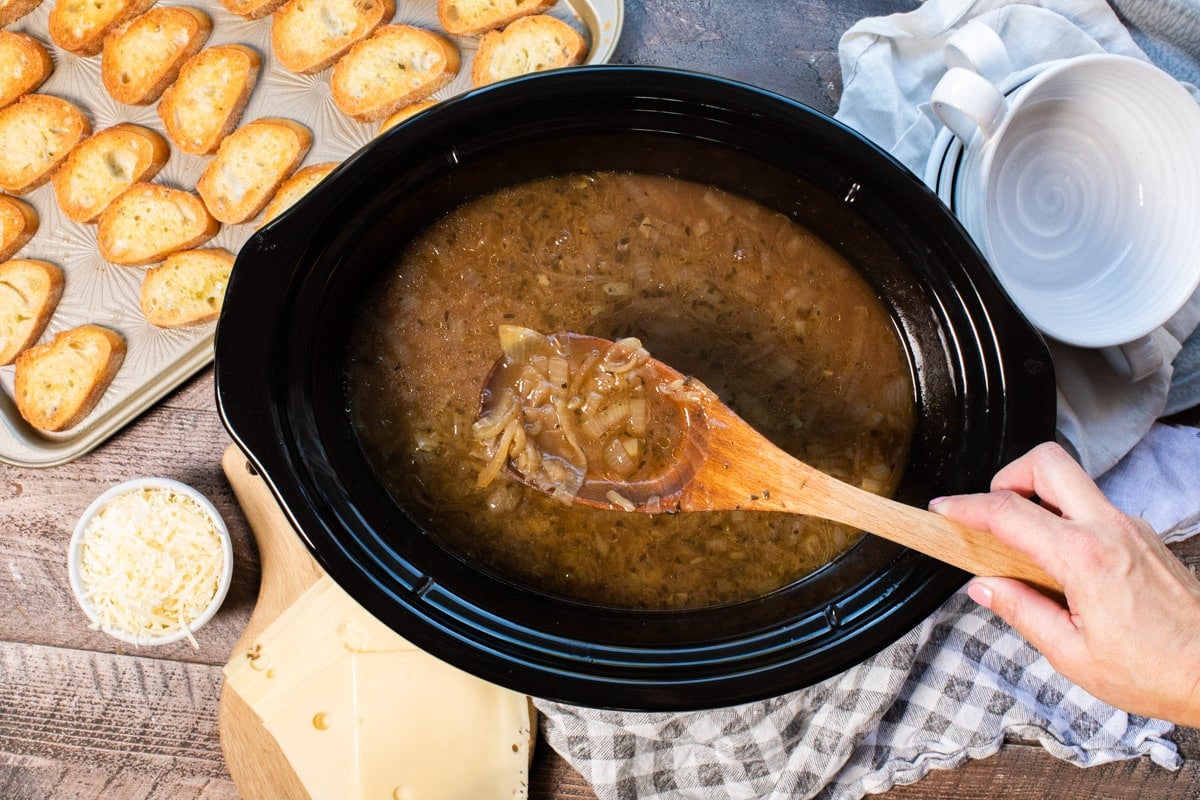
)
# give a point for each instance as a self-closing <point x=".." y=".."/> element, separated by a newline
<point x="601" y="423"/>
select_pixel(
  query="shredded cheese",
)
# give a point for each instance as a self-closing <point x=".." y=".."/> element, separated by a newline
<point x="150" y="563"/>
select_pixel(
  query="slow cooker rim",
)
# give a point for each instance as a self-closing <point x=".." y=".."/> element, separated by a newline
<point x="673" y="692"/>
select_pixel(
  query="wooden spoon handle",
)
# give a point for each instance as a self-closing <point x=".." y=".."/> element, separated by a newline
<point x="743" y="469"/>
<point x="975" y="551"/>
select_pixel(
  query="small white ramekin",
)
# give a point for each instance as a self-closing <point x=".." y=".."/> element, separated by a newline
<point x="74" y="555"/>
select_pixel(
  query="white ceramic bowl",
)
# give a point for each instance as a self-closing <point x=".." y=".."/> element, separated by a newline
<point x="75" y="552"/>
<point x="1084" y="198"/>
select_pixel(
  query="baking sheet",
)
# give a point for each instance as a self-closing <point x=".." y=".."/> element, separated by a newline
<point x="160" y="359"/>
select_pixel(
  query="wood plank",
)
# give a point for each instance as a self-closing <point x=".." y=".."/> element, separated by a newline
<point x="83" y="725"/>
<point x="552" y="778"/>
<point x="1025" y="772"/>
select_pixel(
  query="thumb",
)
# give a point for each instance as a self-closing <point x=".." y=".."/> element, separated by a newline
<point x="1044" y="623"/>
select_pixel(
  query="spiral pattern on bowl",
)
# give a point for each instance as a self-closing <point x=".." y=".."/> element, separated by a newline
<point x="1093" y="192"/>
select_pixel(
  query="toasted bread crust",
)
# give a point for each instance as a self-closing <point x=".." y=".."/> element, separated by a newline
<point x="309" y="35"/>
<point x="24" y="65"/>
<point x="186" y="289"/>
<point x="206" y="101"/>
<point x="13" y="10"/>
<point x="396" y="66"/>
<point x="401" y="114"/>
<point x="250" y="165"/>
<point x="36" y="134"/>
<point x="29" y="293"/>
<point x="471" y="17"/>
<point x="251" y="9"/>
<point x="291" y="190"/>
<point x="79" y="26"/>
<point x="103" y="166"/>
<point x="58" y="383"/>
<point x="148" y="222"/>
<point x="18" y="223"/>
<point x="142" y="57"/>
<point x="531" y="44"/>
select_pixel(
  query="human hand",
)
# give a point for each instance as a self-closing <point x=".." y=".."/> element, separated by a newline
<point x="1130" y="632"/>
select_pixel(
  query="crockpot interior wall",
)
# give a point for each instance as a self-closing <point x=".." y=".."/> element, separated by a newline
<point x="408" y="203"/>
<point x="405" y="207"/>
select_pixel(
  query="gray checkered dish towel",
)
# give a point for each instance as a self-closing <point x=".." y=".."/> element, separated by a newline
<point x="954" y="687"/>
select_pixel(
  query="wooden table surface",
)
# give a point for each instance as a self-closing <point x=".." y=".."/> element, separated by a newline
<point x="82" y="716"/>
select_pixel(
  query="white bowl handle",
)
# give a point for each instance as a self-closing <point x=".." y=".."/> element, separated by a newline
<point x="977" y="47"/>
<point x="967" y="102"/>
<point x="1135" y="360"/>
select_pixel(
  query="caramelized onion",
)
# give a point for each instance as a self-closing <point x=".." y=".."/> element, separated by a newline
<point x="566" y="414"/>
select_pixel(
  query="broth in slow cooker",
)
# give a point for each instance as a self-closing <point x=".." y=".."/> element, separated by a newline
<point x="761" y="310"/>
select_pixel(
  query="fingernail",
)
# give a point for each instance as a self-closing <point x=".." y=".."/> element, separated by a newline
<point x="935" y="501"/>
<point x="981" y="593"/>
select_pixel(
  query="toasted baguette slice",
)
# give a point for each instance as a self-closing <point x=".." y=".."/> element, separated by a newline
<point x="29" y="293"/>
<point x="251" y="9"/>
<point x="397" y="66"/>
<point x="36" y="134"/>
<point x="309" y="35"/>
<point x="295" y="187"/>
<point x="79" y="26"/>
<point x="206" y="101"/>
<point x="13" y="10"/>
<point x="58" y="383"/>
<point x="143" y="57"/>
<point x="18" y="223"/>
<point x="530" y="44"/>
<point x="103" y="166"/>
<point x="471" y="17"/>
<point x="149" y="222"/>
<point x="396" y="117"/>
<point x="250" y="165"/>
<point x="187" y="288"/>
<point x="24" y="65"/>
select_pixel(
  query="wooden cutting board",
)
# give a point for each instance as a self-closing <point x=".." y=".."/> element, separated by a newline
<point x="258" y="766"/>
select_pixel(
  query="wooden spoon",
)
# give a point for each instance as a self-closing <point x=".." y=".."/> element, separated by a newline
<point x="725" y="464"/>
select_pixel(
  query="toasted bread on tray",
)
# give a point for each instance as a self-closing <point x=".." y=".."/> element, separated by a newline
<point x="187" y="288"/>
<point x="104" y="165"/>
<point x="148" y="222"/>
<point x="251" y="9"/>
<point x="470" y="17"/>
<point x="79" y="26"/>
<point x="250" y="165"/>
<point x="295" y="187"/>
<point x="531" y="44"/>
<point x="206" y="101"/>
<point x="36" y="134"/>
<point x="395" y="67"/>
<point x="13" y="10"/>
<point x="18" y="223"/>
<point x="398" y="116"/>
<point x="24" y="65"/>
<point x="29" y="293"/>
<point x="309" y="35"/>
<point x="58" y="383"/>
<point x="143" y="57"/>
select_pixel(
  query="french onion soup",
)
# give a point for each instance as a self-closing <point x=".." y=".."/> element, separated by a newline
<point x="771" y="318"/>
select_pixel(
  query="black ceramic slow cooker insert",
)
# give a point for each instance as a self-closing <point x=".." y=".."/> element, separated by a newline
<point x="983" y="379"/>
